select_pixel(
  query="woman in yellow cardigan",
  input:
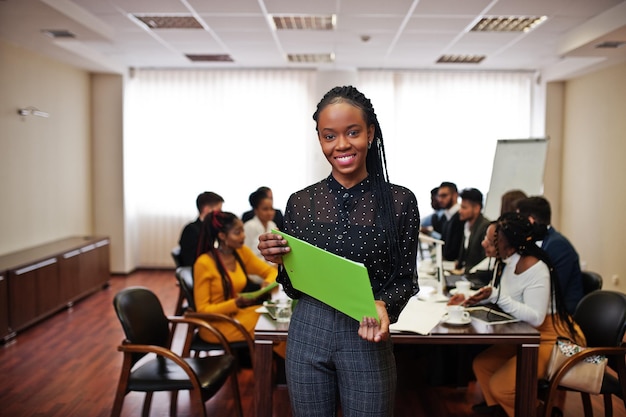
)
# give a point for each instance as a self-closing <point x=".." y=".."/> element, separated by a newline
<point x="221" y="273"/>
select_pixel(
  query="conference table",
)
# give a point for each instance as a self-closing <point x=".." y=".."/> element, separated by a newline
<point x="525" y="337"/>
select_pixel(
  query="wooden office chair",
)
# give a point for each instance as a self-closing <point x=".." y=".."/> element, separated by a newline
<point x="194" y="342"/>
<point x="592" y="281"/>
<point x="601" y="316"/>
<point x="147" y="331"/>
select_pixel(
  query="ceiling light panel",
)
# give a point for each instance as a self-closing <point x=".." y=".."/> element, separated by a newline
<point x="310" y="58"/>
<point x="611" y="44"/>
<point x="210" y="58"/>
<point x="508" y="23"/>
<point x="460" y="59"/>
<point x="170" y="22"/>
<point x="58" y="33"/>
<point x="304" y="22"/>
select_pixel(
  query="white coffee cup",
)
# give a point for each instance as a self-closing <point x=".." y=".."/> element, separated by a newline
<point x="463" y="287"/>
<point x="456" y="314"/>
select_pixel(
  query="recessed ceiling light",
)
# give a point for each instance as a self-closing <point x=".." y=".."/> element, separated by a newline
<point x="611" y="44"/>
<point x="210" y="58"/>
<point x="170" y="22"/>
<point x="304" y="22"/>
<point x="508" y="23"/>
<point x="311" y="58"/>
<point x="460" y="59"/>
<point x="58" y="33"/>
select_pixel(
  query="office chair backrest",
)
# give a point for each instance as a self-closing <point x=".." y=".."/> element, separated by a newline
<point x="184" y="275"/>
<point x="176" y="256"/>
<point x="592" y="281"/>
<point x="601" y="316"/>
<point x="142" y="318"/>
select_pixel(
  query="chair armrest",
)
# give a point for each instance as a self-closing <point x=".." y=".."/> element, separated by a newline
<point x="193" y="323"/>
<point x="226" y="319"/>
<point x="130" y="348"/>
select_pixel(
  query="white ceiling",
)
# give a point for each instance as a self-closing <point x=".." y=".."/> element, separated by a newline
<point x="404" y="34"/>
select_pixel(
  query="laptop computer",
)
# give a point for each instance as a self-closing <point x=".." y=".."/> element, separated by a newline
<point x="478" y="279"/>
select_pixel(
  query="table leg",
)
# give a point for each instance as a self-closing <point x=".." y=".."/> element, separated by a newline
<point x="526" y="395"/>
<point x="263" y="389"/>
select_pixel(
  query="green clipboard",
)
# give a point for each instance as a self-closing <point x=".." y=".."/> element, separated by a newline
<point x="334" y="280"/>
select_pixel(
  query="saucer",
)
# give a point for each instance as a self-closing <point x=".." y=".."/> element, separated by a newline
<point x="463" y="321"/>
<point x="453" y="291"/>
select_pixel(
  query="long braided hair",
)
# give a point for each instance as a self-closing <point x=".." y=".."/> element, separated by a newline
<point x="376" y="165"/>
<point x="522" y="235"/>
<point x="214" y="223"/>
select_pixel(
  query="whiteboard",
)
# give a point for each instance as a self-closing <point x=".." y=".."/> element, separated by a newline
<point x="517" y="164"/>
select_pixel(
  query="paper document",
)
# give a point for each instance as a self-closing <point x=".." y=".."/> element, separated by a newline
<point x="419" y="316"/>
<point x="339" y="282"/>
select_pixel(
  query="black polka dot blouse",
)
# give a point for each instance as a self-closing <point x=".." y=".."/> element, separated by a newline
<point x="344" y="221"/>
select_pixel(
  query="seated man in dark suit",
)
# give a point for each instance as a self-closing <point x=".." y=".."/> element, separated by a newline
<point x="559" y="249"/>
<point x="206" y="203"/>
<point x="475" y="225"/>
<point x="451" y="228"/>
<point x="278" y="215"/>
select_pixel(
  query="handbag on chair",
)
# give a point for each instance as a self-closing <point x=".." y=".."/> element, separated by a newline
<point x="586" y="375"/>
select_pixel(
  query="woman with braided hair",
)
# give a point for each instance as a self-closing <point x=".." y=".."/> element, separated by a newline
<point x="525" y="286"/>
<point x="356" y="213"/>
<point x="221" y="271"/>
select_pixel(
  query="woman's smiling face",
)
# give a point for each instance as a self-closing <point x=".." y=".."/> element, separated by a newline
<point x="344" y="136"/>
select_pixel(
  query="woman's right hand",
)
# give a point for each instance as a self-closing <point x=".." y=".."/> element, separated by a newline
<point x="481" y="294"/>
<point x="272" y="246"/>
<point x="456" y="299"/>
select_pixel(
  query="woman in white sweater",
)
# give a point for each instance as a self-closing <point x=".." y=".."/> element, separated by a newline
<point x="526" y="287"/>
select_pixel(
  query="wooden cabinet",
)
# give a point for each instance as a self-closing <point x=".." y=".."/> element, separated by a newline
<point x="4" y="306"/>
<point x="70" y="275"/>
<point x="42" y="280"/>
<point x="35" y="287"/>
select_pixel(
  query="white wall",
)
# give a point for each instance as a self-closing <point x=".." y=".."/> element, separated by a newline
<point x="107" y="103"/>
<point x="45" y="169"/>
<point x="593" y="192"/>
<point x="554" y="158"/>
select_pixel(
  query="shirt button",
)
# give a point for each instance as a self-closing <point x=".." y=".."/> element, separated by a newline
<point x="346" y="195"/>
<point x="339" y="237"/>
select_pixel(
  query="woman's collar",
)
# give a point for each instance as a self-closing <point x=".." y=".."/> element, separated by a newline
<point x="513" y="259"/>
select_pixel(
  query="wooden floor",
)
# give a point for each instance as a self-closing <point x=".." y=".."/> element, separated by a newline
<point x="68" y="365"/>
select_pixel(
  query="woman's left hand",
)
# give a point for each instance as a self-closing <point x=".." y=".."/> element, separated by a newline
<point x="273" y="247"/>
<point x="370" y="329"/>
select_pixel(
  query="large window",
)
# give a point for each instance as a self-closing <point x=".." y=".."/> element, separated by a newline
<point x="232" y="131"/>
<point x="444" y="126"/>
